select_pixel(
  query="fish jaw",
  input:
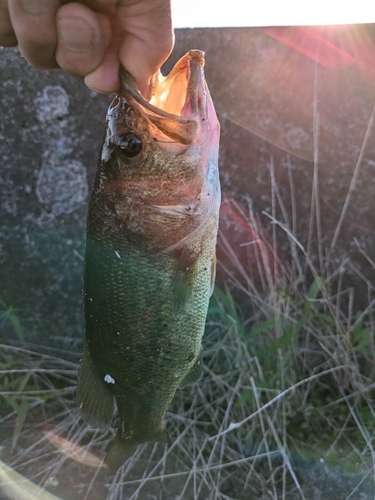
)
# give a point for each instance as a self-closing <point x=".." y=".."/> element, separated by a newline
<point x="178" y="103"/>
<point x="181" y="136"/>
<point x="180" y="107"/>
<point x="197" y="106"/>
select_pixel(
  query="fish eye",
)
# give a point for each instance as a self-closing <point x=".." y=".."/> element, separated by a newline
<point x="130" y="144"/>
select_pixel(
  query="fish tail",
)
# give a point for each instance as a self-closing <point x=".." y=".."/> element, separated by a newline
<point x="119" y="451"/>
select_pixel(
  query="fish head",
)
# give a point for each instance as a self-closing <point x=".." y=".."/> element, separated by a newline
<point x="158" y="165"/>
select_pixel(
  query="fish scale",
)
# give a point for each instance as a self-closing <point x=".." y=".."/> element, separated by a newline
<point x="125" y="307"/>
<point x="149" y="264"/>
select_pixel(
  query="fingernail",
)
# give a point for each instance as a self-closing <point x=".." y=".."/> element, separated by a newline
<point x="75" y="34"/>
<point x="36" y="6"/>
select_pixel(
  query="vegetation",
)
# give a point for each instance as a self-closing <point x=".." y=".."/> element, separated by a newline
<point x="27" y="379"/>
<point x="289" y="383"/>
<point x="286" y="401"/>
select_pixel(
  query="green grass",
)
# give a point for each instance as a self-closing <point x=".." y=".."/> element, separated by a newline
<point x="325" y="368"/>
<point x="25" y="381"/>
<point x="10" y="315"/>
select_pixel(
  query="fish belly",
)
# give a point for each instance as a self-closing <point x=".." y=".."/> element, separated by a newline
<point x="136" y="351"/>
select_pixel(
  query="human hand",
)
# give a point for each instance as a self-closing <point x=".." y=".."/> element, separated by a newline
<point x="90" y="38"/>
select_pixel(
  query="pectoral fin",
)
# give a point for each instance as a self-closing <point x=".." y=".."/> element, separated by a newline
<point x="195" y="373"/>
<point x="213" y="274"/>
<point x="95" y="400"/>
<point x="184" y="282"/>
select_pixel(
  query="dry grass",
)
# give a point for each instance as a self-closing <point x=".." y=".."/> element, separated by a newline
<point x="294" y="382"/>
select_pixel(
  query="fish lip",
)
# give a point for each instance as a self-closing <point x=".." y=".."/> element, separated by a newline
<point x="183" y="127"/>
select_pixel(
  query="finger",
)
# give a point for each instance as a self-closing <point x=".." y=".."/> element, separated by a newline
<point x="148" y="38"/>
<point x="83" y="37"/>
<point x="107" y="2"/>
<point x="7" y="35"/>
<point x="34" y="25"/>
<point x="105" y="78"/>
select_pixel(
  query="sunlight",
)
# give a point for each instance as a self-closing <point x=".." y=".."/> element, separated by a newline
<point x="237" y="13"/>
<point x="17" y="487"/>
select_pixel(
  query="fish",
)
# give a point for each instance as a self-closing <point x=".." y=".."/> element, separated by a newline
<point x="150" y="259"/>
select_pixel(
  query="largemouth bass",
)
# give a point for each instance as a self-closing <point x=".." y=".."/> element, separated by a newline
<point x="150" y="254"/>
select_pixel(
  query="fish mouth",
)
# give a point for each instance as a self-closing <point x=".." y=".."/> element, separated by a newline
<point x="178" y="101"/>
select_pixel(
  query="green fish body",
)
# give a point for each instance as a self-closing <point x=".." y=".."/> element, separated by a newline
<point x="150" y="254"/>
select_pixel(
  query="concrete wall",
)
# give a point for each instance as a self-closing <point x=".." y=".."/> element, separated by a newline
<point x="267" y="95"/>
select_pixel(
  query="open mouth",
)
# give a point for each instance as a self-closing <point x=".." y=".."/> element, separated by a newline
<point x="178" y="100"/>
<point x="180" y="92"/>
